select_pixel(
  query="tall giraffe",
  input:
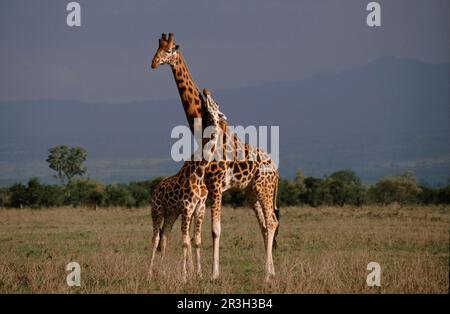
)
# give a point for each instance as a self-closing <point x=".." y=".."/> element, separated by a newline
<point x="185" y="193"/>
<point x="256" y="172"/>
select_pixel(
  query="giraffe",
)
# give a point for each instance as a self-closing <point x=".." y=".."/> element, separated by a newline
<point x="253" y="170"/>
<point x="184" y="193"/>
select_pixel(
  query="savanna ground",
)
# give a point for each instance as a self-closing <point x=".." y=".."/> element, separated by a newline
<point x="321" y="250"/>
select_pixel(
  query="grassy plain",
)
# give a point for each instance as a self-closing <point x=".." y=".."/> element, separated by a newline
<point x="321" y="250"/>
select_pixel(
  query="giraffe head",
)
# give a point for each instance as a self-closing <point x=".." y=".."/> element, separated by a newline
<point x="212" y="107"/>
<point x="167" y="52"/>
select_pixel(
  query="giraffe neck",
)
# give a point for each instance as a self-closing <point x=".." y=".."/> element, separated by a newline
<point x="188" y="90"/>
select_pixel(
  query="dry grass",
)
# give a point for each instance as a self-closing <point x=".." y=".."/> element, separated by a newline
<point x="323" y="250"/>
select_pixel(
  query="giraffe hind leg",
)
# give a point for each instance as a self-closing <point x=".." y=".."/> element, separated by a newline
<point x="271" y="220"/>
<point x="257" y="209"/>
<point x="277" y="215"/>
<point x="158" y="220"/>
<point x="169" y="221"/>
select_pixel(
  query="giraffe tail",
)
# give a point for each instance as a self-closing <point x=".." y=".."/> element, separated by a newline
<point x="159" y="249"/>
<point x="277" y="215"/>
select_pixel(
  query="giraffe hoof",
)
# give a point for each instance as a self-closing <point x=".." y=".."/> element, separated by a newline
<point x="215" y="277"/>
<point x="270" y="277"/>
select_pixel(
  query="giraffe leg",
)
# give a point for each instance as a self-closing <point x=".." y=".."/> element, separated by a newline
<point x="216" y="228"/>
<point x="265" y="197"/>
<point x="190" y="261"/>
<point x="169" y="220"/>
<point x="272" y="223"/>
<point x="158" y="220"/>
<point x="185" y="223"/>
<point x="200" y="214"/>
<point x="257" y="209"/>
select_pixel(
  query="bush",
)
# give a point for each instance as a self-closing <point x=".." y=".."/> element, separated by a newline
<point x="118" y="195"/>
<point x="5" y="197"/>
<point x="288" y="193"/>
<point x="345" y="187"/>
<point x="18" y="196"/>
<point x="140" y="194"/>
<point x="51" y="196"/>
<point x="316" y="192"/>
<point x="85" y="192"/>
<point x="338" y="189"/>
<point x="34" y="195"/>
<point x="428" y="195"/>
<point x="402" y="189"/>
<point x="444" y="195"/>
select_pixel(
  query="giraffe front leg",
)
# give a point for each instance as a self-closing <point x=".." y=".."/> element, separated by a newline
<point x="216" y="229"/>
<point x="200" y="214"/>
<point x="186" y="244"/>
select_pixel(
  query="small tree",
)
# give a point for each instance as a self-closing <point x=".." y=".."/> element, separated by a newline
<point x="67" y="162"/>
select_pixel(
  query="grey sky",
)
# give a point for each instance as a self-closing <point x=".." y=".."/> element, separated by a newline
<point x="227" y="44"/>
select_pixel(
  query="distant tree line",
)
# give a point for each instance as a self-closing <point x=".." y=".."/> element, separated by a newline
<point x="78" y="193"/>
<point x="338" y="189"/>
<point x="346" y="188"/>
